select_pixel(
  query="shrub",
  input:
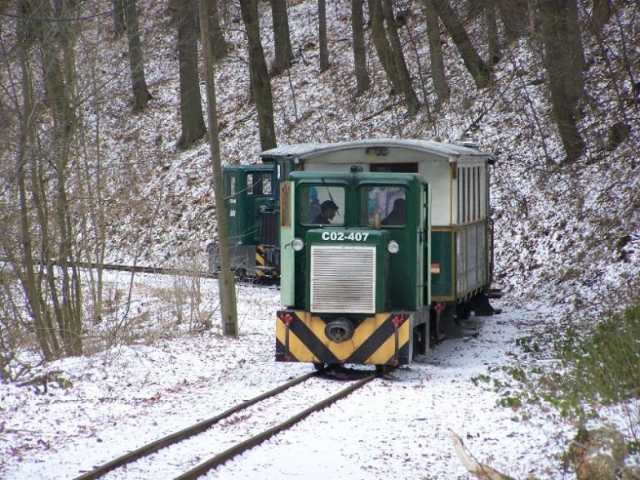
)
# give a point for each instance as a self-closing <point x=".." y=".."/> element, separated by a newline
<point x="604" y="366"/>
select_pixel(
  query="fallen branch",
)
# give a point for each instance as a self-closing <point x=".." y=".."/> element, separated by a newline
<point x="44" y="379"/>
<point x="381" y="111"/>
<point x="479" y="470"/>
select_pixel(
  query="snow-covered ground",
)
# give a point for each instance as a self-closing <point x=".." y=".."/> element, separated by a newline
<point x="395" y="427"/>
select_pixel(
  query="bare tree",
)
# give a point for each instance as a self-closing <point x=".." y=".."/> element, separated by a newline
<point x="381" y="44"/>
<point x="475" y="65"/>
<point x="564" y="62"/>
<point x="435" y="51"/>
<point x="359" y="48"/>
<point x="322" y="35"/>
<point x="515" y="17"/>
<point x="404" y="78"/>
<point x="260" y="83"/>
<point x="141" y="93"/>
<point x="41" y="243"/>
<point x="191" y="118"/>
<point x="389" y="49"/>
<point x="601" y="14"/>
<point x="226" y="280"/>
<point x="281" y="37"/>
<point x="218" y="44"/>
<point x="118" y="15"/>
<point x="493" y="40"/>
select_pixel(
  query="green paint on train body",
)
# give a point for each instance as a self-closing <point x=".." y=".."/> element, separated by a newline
<point x="349" y="263"/>
<point x="442" y="265"/>
<point x="250" y="191"/>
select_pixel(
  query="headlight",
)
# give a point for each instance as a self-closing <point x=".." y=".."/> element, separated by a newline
<point x="393" y="247"/>
<point x="297" y="244"/>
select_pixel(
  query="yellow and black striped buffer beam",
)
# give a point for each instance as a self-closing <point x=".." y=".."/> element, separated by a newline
<point x="382" y="339"/>
<point x="260" y="260"/>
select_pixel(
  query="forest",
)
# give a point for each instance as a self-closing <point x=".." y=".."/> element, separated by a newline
<point x="110" y="124"/>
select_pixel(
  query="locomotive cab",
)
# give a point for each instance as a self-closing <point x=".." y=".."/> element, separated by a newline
<point x="353" y="279"/>
<point x="252" y="209"/>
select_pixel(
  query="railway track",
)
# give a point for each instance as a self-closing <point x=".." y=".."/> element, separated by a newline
<point x="159" y="270"/>
<point x="235" y="449"/>
<point x="132" y="268"/>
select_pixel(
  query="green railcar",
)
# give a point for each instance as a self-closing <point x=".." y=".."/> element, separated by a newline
<point x="251" y="199"/>
<point x="359" y="288"/>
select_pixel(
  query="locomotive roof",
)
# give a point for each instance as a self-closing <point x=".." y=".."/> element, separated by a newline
<point x="438" y="149"/>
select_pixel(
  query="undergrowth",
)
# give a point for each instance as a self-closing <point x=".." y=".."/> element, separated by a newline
<point x="600" y="367"/>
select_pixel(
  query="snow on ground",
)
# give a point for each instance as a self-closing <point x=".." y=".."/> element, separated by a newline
<point x="395" y="427"/>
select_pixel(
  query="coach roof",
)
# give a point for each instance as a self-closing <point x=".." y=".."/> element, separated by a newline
<point x="446" y="151"/>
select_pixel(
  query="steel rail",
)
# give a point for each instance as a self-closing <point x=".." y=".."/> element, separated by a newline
<point x="187" y="432"/>
<point x="241" y="447"/>
<point x="127" y="268"/>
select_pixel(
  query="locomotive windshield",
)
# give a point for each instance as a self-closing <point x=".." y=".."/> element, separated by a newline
<point x="259" y="184"/>
<point x="383" y="206"/>
<point x="322" y="205"/>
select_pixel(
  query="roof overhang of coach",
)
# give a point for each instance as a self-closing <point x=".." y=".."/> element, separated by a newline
<point x="449" y="152"/>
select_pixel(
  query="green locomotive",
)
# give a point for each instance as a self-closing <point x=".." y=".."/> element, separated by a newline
<point x="382" y="243"/>
<point x="251" y="199"/>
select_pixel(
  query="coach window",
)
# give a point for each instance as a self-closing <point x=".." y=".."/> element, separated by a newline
<point x="477" y="193"/>
<point x="459" y="197"/>
<point x="321" y="205"/>
<point x="464" y="195"/>
<point x="383" y="206"/>
<point x="469" y="195"/>
<point x="473" y="194"/>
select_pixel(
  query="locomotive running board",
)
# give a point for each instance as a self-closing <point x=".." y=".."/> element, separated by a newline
<point x="382" y="339"/>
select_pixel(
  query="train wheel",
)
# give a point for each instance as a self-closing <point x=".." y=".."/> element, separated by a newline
<point x="319" y="366"/>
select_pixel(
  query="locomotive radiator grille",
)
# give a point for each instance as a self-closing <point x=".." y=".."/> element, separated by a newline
<point x="343" y="279"/>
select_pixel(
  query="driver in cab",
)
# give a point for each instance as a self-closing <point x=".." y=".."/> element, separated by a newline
<point x="328" y="210"/>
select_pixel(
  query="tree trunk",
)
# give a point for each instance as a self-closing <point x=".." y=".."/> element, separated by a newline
<point x="260" y="82"/>
<point x="67" y="292"/>
<point x="381" y="44"/>
<point x="515" y="17"/>
<point x="359" y="48"/>
<point x="281" y="37"/>
<point x="410" y="97"/>
<point x="226" y="280"/>
<point x="219" y="46"/>
<point x="118" y="15"/>
<point x="493" y="40"/>
<point x="435" y="51"/>
<point x="47" y="343"/>
<point x="564" y="62"/>
<point x="191" y="117"/>
<point x="575" y="54"/>
<point x="601" y="14"/>
<point x="476" y="67"/>
<point x="322" y="35"/>
<point x="141" y="93"/>
<point x="27" y="31"/>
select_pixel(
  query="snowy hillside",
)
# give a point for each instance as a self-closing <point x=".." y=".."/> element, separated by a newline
<point x="565" y="232"/>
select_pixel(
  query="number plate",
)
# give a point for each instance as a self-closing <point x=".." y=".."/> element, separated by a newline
<point x="345" y="236"/>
